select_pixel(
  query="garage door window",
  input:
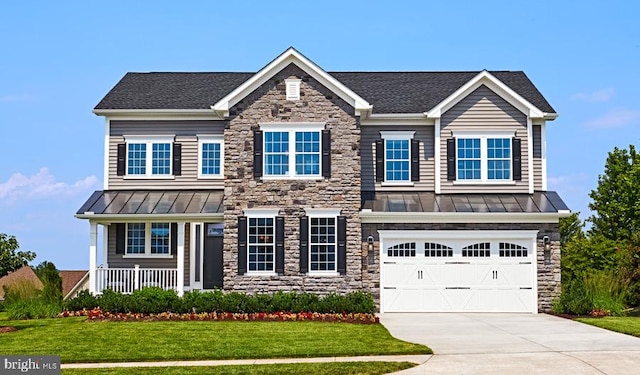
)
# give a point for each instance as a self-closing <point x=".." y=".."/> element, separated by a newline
<point x="512" y="250"/>
<point x="481" y="249"/>
<point x="432" y="249"/>
<point x="407" y="249"/>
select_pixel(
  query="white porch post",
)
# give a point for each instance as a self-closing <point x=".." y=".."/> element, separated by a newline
<point x="180" y="262"/>
<point x="93" y="256"/>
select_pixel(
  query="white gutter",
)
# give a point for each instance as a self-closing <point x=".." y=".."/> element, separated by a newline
<point x="461" y="217"/>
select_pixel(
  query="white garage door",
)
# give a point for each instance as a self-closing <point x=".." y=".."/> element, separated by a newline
<point x="461" y="271"/>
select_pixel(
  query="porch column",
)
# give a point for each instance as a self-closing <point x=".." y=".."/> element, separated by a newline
<point x="180" y="265"/>
<point x="93" y="256"/>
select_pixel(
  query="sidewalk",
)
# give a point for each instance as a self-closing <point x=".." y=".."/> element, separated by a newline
<point x="418" y="359"/>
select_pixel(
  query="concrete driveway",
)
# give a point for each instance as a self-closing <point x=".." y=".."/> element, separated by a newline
<point x="466" y="343"/>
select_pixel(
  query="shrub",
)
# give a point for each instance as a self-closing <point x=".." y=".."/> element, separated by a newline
<point x="113" y="301"/>
<point x="153" y="300"/>
<point x="20" y="290"/>
<point x="35" y="308"/>
<point x="52" y="284"/>
<point x="84" y="300"/>
<point x="606" y="291"/>
<point x="573" y="299"/>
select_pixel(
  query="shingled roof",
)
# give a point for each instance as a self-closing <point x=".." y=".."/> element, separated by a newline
<point x="388" y="92"/>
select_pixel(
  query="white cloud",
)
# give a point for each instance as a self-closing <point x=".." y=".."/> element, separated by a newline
<point x="42" y="185"/>
<point x="596" y="96"/>
<point x="15" y="98"/>
<point x="616" y="118"/>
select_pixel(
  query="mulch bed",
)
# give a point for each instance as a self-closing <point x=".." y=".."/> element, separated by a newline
<point x="7" y="329"/>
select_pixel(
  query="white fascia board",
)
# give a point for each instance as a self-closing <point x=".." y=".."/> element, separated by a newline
<point x="157" y="114"/>
<point x="486" y="78"/>
<point x="397" y="120"/>
<point x="287" y="57"/>
<point x="461" y="217"/>
<point x="138" y="218"/>
<point x="458" y="234"/>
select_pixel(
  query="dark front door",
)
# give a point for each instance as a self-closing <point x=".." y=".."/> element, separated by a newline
<point x="212" y="262"/>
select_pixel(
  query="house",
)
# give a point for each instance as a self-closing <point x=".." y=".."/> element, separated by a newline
<point x="73" y="282"/>
<point x="427" y="189"/>
<point x="24" y="275"/>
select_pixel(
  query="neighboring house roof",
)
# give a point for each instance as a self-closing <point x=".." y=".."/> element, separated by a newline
<point x="388" y="92"/>
<point x="24" y="273"/>
<point x="138" y="203"/>
<point x="71" y="279"/>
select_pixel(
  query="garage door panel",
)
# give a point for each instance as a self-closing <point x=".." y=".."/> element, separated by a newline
<point x="404" y="299"/>
<point x="401" y="274"/>
<point x="513" y="274"/>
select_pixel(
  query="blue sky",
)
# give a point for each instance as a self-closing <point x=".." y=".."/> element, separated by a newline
<point x="60" y="58"/>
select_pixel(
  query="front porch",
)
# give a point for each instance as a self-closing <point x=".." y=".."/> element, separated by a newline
<point x="126" y="280"/>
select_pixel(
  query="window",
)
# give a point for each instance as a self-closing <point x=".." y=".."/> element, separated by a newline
<point x="508" y="249"/>
<point x="407" y="249"/>
<point x="481" y="249"/>
<point x="323" y="244"/>
<point x="432" y="249"/>
<point x="261" y="244"/>
<point x="211" y="157"/>
<point x="294" y="152"/>
<point x="397" y="158"/>
<point x="148" y="156"/>
<point x="148" y="238"/>
<point x="484" y="158"/>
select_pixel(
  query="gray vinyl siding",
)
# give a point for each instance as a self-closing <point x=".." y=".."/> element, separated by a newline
<point x="185" y="133"/>
<point x="537" y="157"/>
<point x="371" y="133"/>
<point x="483" y="110"/>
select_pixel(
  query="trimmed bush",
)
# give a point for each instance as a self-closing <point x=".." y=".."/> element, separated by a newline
<point x="156" y="300"/>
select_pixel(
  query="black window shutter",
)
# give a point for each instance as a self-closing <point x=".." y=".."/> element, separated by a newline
<point x="177" y="159"/>
<point x="242" y="245"/>
<point x="451" y="159"/>
<point x="517" y="159"/>
<point x="280" y="245"/>
<point x="380" y="160"/>
<point x="174" y="238"/>
<point x="120" y="237"/>
<point x="326" y="153"/>
<point x="415" y="160"/>
<point x="342" y="245"/>
<point x="304" y="244"/>
<point x="122" y="159"/>
<point x="257" y="153"/>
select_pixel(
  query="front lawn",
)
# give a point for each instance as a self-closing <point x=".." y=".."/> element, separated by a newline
<point x="77" y="340"/>
<point x="328" y="368"/>
<point x="628" y="324"/>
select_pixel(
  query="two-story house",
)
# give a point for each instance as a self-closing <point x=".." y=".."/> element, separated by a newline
<point x="427" y="189"/>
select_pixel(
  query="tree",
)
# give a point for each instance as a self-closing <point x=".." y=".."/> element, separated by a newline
<point x="10" y="258"/>
<point x="570" y="229"/>
<point x="52" y="283"/>
<point x="616" y="200"/>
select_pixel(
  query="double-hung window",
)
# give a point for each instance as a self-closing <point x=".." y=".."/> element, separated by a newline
<point x="148" y="239"/>
<point x="484" y="157"/>
<point x="210" y="156"/>
<point x="394" y="159"/>
<point x="292" y="150"/>
<point x="319" y="238"/>
<point x="261" y="242"/>
<point x="148" y="156"/>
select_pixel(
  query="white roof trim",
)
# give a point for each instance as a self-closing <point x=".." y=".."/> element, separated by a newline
<point x="461" y="217"/>
<point x="287" y="57"/>
<point x="129" y="218"/>
<point x="486" y="78"/>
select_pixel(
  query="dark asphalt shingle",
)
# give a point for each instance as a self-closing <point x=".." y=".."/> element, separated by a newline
<point x="388" y="92"/>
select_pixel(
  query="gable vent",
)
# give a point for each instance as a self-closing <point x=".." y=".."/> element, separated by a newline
<point x="293" y="88"/>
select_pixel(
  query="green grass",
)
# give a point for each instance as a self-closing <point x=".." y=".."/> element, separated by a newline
<point x="629" y="324"/>
<point x="330" y="368"/>
<point x="76" y="340"/>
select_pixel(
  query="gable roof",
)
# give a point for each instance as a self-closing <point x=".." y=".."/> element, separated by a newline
<point x="23" y="273"/>
<point x="387" y="92"/>
<point x="70" y="280"/>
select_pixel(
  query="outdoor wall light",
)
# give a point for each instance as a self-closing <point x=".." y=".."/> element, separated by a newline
<point x="370" y="254"/>
<point x="547" y="250"/>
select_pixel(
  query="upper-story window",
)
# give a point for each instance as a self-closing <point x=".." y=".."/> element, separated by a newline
<point x="292" y="151"/>
<point x="148" y="157"/>
<point x="397" y="157"/>
<point x="210" y="156"/>
<point x="484" y="157"/>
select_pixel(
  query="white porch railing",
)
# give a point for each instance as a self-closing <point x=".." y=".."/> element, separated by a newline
<point x="126" y="280"/>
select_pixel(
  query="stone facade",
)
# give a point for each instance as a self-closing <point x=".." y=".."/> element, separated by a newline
<point x="268" y="104"/>
<point x="548" y="269"/>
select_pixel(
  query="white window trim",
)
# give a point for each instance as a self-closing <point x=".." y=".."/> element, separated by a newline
<point x="149" y="140"/>
<point x="262" y="213"/>
<point x="395" y="135"/>
<point x="484" y="159"/>
<point x="147" y="242"/>
<point x="219" y="139"/>
<point x="322" y="213"/>
<point x="292" y="128"/>
<point x="292" y="88"/>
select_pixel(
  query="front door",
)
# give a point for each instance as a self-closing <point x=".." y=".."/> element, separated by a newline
<point x="212" y="267"/>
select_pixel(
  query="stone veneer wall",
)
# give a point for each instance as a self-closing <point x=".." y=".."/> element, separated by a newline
<point x="549" y="281"/>
<point x="268" y="104"/>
